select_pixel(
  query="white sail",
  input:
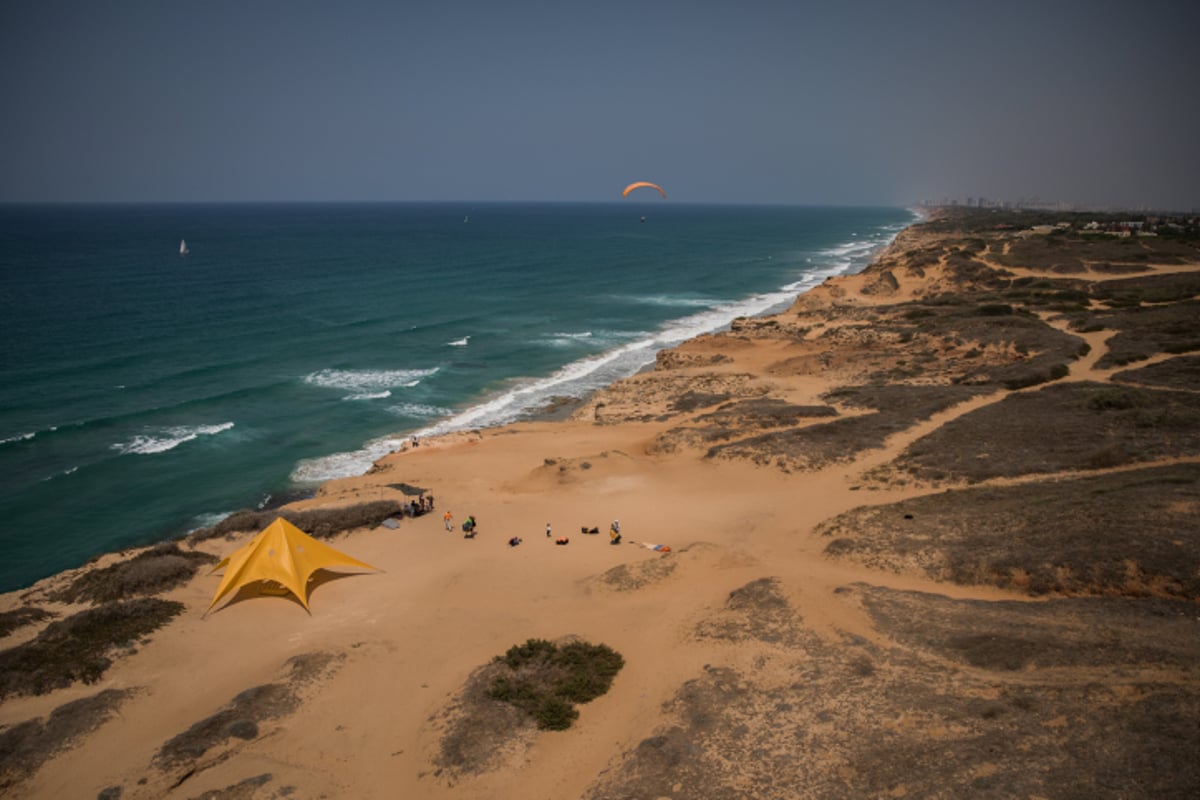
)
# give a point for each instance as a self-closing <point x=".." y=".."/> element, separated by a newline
<point x="183" y="251"/>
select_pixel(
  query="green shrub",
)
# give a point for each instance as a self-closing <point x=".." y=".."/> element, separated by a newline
<point x="1118" y="400"/>
<point x="320" y="523"/>
<point x="20" y="617"/>
<point x="1037" y="376"/>
<point x="533" y="650"/>
<point x="555" y="714"/>
<point x="77" y="648"/>
<point x="152" y="571"/>
<point x="546" y="680"/>
<point x="994" y="310"/>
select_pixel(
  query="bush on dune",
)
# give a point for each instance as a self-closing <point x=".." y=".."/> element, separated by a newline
<point x="546" y="680"/>
<point x="320" y="523"/>
<point x="77" y="648"/>
<point x="152" y="571"/>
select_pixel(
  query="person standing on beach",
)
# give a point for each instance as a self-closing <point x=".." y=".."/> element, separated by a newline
<point x="449" y="520"/>
<point x="547" y="530"/>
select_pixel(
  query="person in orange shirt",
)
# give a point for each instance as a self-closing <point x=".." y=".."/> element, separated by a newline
<point x="449" y="520"/>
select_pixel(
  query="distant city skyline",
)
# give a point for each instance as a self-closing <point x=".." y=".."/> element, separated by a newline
<point x="863" y="103"/>
<point x="1040" y="203"/>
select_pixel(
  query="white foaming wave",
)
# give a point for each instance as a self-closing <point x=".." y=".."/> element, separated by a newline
<point x="672" y="300"/>
<point x="560" y="339"/>
<point x="20" y="437"/>
<point x="587" y="374"/>
<point x="850" y="248"/>
<point x="459" y="342"/>
<point x="577" y="378"/>
<point x="368" y="384"/>
<point x="420" y="410"/>
<point x="357" y="462"/>
<point x="344" y="465"/>
<point x="854" y="255"/>
<point x="63" y="474"/>
<point x="168" y="439"/>
<point x="206" y="520"/>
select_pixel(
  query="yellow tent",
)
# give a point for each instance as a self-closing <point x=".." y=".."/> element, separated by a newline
<point x="283" y="553"/>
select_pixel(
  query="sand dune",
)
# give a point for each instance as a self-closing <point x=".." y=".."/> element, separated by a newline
<point x="849" y="608"/>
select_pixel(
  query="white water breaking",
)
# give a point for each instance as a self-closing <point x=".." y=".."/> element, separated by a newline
<point x="580" y="378"/>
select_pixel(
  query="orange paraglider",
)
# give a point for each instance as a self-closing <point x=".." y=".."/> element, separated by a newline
<point x="641" y="184"/>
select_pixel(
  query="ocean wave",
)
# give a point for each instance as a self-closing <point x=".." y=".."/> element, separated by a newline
<point x="564" y="339"/>
<point x="168" y="439"/>
<point x="357" y="462"/>
<point x="367" y="384"/>
<point x="343" y="465"/>
<point x="420" y="410"/>
<point x="673" y="300"/>
<point x="206" y="520"/>
<point x="62" y="474"/>
<point x="850" y="248"/>
<point x="20" y="437"/>
<point x="459" y="342"/>
<point x="853" y="256"/>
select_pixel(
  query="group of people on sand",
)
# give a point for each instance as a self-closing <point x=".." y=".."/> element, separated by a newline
<point x="614" y="534"/>
<point x="470" y="528"/>
<point x="614" y="531"/>
<point x="469" y="525"/>
<point x="422" y="505"/>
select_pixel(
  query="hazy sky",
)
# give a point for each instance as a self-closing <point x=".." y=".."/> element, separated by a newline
<point x="743" y="102"/>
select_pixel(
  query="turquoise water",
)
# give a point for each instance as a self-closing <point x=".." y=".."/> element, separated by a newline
<point x="144" y="393"/>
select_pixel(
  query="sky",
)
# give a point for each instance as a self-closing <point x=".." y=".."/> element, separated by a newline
<point x="838" y="103"/>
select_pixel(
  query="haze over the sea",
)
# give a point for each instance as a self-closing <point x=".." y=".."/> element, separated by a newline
<point x="856" y="103"/>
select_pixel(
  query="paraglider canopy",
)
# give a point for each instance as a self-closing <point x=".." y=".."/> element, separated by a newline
<point x="643" y="184"/>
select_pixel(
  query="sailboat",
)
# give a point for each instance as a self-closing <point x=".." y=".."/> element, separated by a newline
<point x="183" y="251"/>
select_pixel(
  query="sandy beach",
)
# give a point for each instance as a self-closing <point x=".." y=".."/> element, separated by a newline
<point x="933" y="532"/>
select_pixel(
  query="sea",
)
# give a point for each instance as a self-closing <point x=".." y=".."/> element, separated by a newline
<point x="146" y="392"/>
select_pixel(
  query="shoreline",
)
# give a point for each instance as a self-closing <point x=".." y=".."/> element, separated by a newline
<point x="903" y="560"/>
<point x="506" y="398"/>
<point x="61" y="467"/>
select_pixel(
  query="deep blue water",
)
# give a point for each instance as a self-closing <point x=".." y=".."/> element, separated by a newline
<point x="142" y="392"/>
